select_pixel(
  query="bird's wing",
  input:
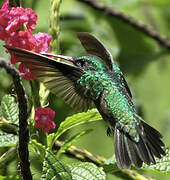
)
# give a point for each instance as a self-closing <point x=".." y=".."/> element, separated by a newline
<point x="124" y="83"/>
<point x="93" y="46"/>
<point x="122" y="79"/>
<point x="59" y="77"/>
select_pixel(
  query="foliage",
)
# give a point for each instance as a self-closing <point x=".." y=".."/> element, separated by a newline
<point x="146" y="67"/>
<point x="77" y="119"/>
<point x="9" y="114"/>
<point x="9" y="109"/>
<point x="53" y="168"/>
<point x="162" y="165"/>
<point x="7" y="139"/>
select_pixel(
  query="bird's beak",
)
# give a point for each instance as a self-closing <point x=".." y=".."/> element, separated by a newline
<point x="67" y="58"/>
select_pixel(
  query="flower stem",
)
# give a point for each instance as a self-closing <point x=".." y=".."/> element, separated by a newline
<point x="54" y="25"/>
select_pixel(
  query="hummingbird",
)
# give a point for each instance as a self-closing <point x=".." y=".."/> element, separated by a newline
<point x="96" y="78"/>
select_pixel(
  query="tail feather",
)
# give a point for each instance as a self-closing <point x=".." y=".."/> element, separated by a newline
<point x="150" y="129"/>
<point x="125" y="152"/>
<point x="154" y="140"/>
<point x="157" y="150"/>
<point x="133" y="155"/>
<point x="121" y="151"/>
<point x="128" y="152"/>
<point x="144" y="151"/>
<point x="118" y="149"/>
<point x="151" y="133"/>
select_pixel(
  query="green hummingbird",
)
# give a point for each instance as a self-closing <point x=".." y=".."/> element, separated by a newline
<point x="97" y="78"/>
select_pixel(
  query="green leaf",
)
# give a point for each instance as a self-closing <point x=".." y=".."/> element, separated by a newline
<point x="50" y="139"/>
<point x="86" y="171"/>
<point x="69" y="142"/>
<point x="8" y="156"/>
<point x="77" y="119"/>
<point x="38" y="148"/>
<point x="7" y="127"/>
<point x="162" y="165"/>
<point x="7" y="139"/>
<point x="9" y="109"/>
<point x="54" y="169"/>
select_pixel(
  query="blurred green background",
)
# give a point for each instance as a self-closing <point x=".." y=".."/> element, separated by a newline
<point x="145" y="63"/>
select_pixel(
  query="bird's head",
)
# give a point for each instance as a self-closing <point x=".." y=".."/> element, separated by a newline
<point x="90" y="62"/>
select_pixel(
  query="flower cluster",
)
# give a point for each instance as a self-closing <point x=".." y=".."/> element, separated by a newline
<point x="16" y="25"/>
<point x="44" y="119"/>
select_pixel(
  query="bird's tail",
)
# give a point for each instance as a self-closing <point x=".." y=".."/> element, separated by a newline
<point x="128" y="152"/>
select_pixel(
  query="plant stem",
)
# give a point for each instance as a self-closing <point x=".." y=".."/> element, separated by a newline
<point x="23" y="132"/>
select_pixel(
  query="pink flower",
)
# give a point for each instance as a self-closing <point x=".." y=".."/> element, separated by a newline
<point x="43" y="42"/>
<point x="16" y="25"/>
<point x="44" y="119"/>
<point x="14" y="18"/>
<point x="25" y="72"/>
<point x="26" y="40"/>
<point x="22" y="39"/>
<point x="18" y="17"/>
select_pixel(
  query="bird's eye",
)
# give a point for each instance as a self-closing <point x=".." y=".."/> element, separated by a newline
<point x="80" y="63"/>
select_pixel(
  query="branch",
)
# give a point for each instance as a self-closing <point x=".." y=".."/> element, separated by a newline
<point x="146" y="29"/>
<point x="23" y="133"/>
<point x="81" y="154"/>
<point x="84" y="155"/>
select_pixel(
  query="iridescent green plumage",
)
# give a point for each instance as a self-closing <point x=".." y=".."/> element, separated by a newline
<point x="96" y="77"/>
